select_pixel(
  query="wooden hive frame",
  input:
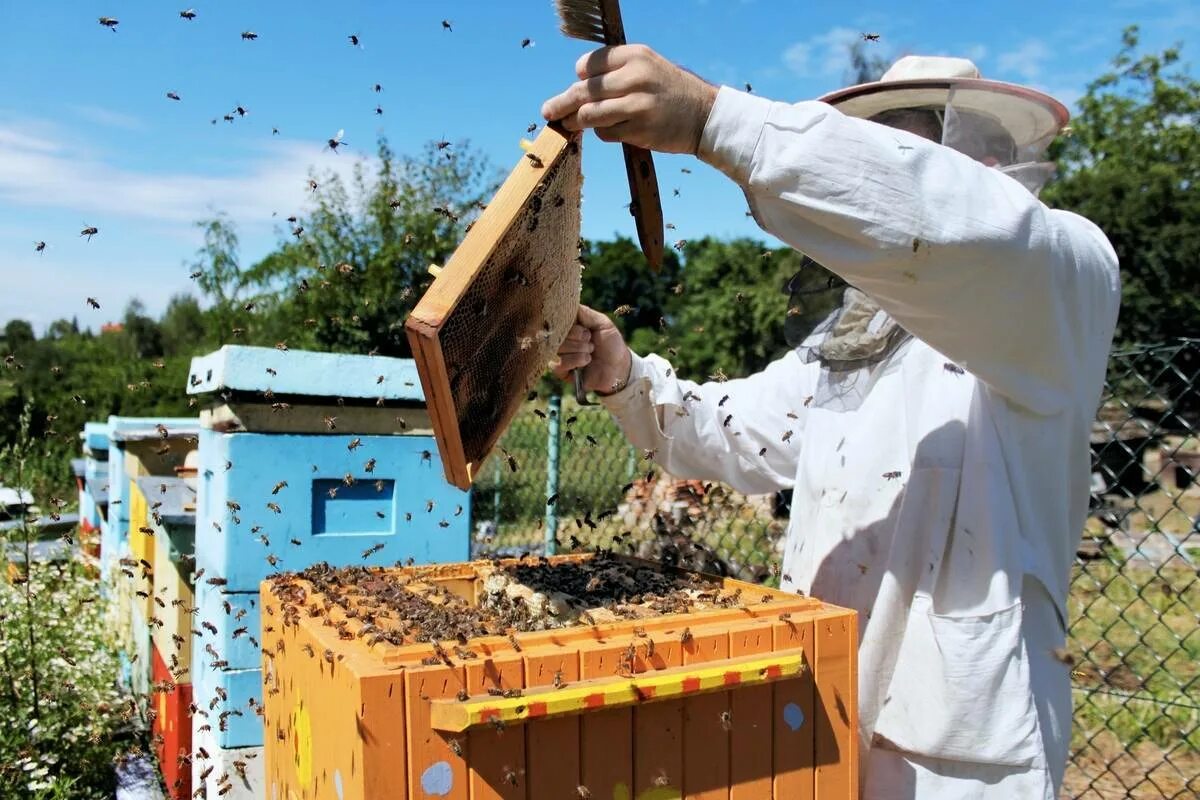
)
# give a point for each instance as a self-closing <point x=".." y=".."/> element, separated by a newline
<point x="495" y="315"/>
<point x="758" y="701"/>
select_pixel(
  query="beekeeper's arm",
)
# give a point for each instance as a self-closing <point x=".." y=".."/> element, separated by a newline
<point x="745" y="432"/>
<point x="961" y="255"/>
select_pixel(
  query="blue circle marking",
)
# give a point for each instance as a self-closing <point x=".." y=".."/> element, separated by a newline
<point x="437" y="779"/>
<point x="793" y="717"/>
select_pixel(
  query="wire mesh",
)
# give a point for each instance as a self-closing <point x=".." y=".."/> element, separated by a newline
<point x="1134" y="628"/>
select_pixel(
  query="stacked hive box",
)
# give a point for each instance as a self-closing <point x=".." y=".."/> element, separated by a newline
<point x="139" y="447"/>
<point x="745" y="701"/>
<point x="172" y="517"/>
<point x="93" y="499"/>
<point x="304" y="457"/>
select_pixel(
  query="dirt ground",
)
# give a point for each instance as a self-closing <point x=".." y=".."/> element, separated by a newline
<point x="1106" y="769"/>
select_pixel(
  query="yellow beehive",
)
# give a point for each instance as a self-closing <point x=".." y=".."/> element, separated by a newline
<point x="755" y="698"/>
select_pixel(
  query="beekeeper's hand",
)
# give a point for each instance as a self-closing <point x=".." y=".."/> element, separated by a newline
<point x="596" y="346"/>
<point x="631" y="94"/>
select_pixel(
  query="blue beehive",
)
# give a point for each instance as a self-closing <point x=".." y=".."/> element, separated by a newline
<point x="304" y="457"/>
<point x="122" y="431"/>
<point x="138" y="446"/>
<point x="93" y="500"/>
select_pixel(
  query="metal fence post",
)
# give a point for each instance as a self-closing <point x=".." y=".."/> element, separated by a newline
<point x="552" y="445"/>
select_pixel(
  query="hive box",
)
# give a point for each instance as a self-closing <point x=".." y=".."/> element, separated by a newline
<point x="241" y="768"/>
<point x="139" y="438"/>
<point x="93" y="499"/>
<point x="304" y="457"/>
<point x="752" y="702"/>
<point x="172" y="598"/>
<point x="172" y="729"/>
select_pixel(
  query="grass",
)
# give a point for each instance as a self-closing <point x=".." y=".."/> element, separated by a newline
<point x="1136" y="682"/>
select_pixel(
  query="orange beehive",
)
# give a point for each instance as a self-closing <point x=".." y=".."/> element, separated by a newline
<point x="749" y="694"/>
<point x="171" y="728"/>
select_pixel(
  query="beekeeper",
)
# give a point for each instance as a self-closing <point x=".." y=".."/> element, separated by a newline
<point x="934" y="429"/>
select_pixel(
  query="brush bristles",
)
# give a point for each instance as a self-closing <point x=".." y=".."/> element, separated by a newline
<point x="581" y="19"/>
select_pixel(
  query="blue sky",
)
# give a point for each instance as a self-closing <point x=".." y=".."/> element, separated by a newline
<point x="88" y="136"/>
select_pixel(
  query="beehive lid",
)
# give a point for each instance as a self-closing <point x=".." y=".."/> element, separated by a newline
<point x="486" y="329"/>
<point x="302" y="373"/>
<point x="178" y="499"/>
<point x="95" y="437"/>
<point x="140" y="429"/>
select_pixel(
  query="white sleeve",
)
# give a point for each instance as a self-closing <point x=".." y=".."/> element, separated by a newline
<point x="746" y="432"/>
<point x="963" y="256"/>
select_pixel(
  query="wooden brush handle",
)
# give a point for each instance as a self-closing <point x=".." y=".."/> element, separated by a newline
<point x="646" y="205"/>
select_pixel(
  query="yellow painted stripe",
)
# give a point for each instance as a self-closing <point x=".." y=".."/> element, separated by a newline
<point x="456" y="716"/>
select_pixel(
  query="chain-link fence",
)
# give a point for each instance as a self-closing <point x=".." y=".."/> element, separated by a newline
<point x="1135" y="596"/>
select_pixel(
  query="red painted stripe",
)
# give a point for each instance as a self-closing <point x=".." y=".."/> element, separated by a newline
<point x="774" y="671"/>
<point x="691" y="685"/>
<point x="489" y="714"/>
<point x="593" y="701"/>
<point x="645" y="692"/>
<point x="732" y="678"/>
<point x="537" y="710"/>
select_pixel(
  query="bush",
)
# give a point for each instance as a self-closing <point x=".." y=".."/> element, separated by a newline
<point x="63" y="715"/>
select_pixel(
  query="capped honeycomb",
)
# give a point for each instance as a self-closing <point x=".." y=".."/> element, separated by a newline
<point x="493" y="319"/>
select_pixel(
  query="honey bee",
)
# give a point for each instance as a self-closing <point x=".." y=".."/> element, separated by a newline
<point x="870" y="37"/>
<point x="685" y="636"/>
<point x="526" y="42"/>
<point x="455" y="746"/>
<point x="173" y="96"/>
<point x="953" y="368"/>
<point x="623" y="310"/>
<point x="110" y="22"/>
<point x="1062" y="655"/>
<point x="510" y="777"/>
<point x="512" y="640"/>
<point x="891" y="476"/>
<point x="275" y="507"/>
<point x="726" y="721"/>
<point x="533" y="159"/>
<point x="354" y="444"/>
<point x="188" y="14"/>
<point x="446" y="25"/>
<point x="249" y="36"/>
<point x="373" y="549"/>
<point x="584" y="792"/>
<point x="279" y="486"/>
<point x="725" y="424"/>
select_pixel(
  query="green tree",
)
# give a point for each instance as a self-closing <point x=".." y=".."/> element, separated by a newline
<point x="18" y="335"/>
<point x="1132" y="165"/>
<point x="218" y="274"/>
<point x="616" y="276"/>
<point x="183" y="327"/>
<point x="865" y="65"/>
<point x="352" y="267"/>
<point x="732" y="310"/>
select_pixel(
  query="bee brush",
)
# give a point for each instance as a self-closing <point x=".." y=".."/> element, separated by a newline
<point x="600" y="21"/>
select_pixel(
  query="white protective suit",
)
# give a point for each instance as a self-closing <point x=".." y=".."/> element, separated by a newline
<point x="959" y="565"/>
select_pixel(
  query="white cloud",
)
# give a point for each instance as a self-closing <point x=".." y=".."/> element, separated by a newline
<point x="821" y="55"/>
<point x="108" y="117"/>
<point x="57" y="173"/>
<point x="1025" y="61"/>
<point x="976" y="52"/>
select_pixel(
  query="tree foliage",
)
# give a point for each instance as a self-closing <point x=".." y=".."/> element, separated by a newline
<point x="1132" y="166"/>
